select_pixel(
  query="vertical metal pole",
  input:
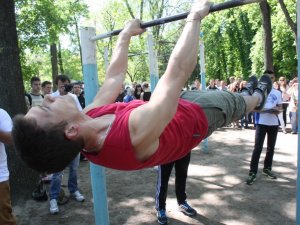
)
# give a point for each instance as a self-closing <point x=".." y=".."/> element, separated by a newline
<point x="298" y="160"/>
<point x="156" y="66"/>
<point x="106" y="63"/>
<point x="152" y="62"/>
<point x="90" y="89"/>
<point x="203" y="82"/>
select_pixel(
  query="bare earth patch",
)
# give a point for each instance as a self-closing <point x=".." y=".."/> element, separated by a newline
<point x="216" y="189"/>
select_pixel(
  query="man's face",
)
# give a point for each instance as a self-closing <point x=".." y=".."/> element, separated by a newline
<point x="54" y="110"/>
<point x="36" y="86"/>
<point x="76" y="89"/>
<point x="61" y="87"/>
<point x="47" y="89"/>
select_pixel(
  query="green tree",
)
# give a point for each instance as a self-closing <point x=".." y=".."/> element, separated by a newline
<point x="41" y="23"/>
<point x="239" y="41"/>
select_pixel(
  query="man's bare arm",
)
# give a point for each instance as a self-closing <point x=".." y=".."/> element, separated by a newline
<point x="116" y="72"/>
<point x="5" y="137"/>
<point x="148" y="121"/>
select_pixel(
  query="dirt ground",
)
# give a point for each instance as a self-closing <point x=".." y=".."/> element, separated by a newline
<point x="216" y="189"/>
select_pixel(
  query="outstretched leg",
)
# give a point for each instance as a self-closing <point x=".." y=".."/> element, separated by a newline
<point x="222" y="107"/>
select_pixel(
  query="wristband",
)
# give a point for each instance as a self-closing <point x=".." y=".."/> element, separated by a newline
<point x="193" y="16"/>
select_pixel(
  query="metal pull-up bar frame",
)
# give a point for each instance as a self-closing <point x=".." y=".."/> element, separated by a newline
<point x="88" y="38"/>
<point x="213" y="8"/>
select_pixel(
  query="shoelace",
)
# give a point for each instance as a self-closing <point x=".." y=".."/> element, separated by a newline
<point x="185" y="206"/>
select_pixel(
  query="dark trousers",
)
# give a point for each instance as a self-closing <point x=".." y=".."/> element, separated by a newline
<point x="284" y="107"/>
<point x="260" y="134"/>
<point x="164" y="172"/>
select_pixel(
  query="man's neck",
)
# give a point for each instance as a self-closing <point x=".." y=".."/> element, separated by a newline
<point x="95" y="132"/>
<point x="35" y="93"/>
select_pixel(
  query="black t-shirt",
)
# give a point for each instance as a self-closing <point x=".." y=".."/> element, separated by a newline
<point x="120" y="97"/>
<point x="81" y="100"/>
<point x="147" y="96"/>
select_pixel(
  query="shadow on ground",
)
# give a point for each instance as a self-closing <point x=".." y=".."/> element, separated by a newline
<point x="215" y="187"/>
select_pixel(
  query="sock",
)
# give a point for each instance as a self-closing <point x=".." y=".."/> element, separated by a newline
<point x="259" y="95"/>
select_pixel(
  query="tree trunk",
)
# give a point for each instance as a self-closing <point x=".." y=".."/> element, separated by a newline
<point x="54" y="64"/>
<point x="22" y="179"/>
<point x="268" y="43"/>
<point x="60" y="61"/>
<point x="289" y="20"/>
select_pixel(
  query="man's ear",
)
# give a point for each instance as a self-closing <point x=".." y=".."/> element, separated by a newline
<point x="72" y="131"/>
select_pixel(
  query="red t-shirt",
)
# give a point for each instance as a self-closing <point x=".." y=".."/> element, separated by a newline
<point x="185" y="131"/>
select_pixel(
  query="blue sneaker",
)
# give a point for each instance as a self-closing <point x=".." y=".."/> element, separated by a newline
<point x="269" y="173"/>
<point x="186" y="209"/>
<point x="162" y="216"/>
<point x="251" y="178"/>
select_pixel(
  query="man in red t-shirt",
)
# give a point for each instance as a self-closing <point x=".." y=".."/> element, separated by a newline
<point x="138" y="134"/>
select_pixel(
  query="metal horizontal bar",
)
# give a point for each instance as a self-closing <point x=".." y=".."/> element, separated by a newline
<point x="213" y="8"/>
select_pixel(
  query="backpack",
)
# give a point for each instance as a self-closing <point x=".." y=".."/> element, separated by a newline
<point x="29" y="98"/>
<point x="40" y="193"/>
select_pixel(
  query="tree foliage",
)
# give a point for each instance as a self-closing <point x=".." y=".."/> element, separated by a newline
<point x="40" y="24"/>
<point x="233" y="38"/>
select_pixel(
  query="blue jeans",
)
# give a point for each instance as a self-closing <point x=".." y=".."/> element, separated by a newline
<point x="260" y="134"/>
<point x="72" y="182"/>
<point x="294" y="121"/>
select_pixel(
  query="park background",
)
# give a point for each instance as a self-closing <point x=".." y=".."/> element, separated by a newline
<point x="41" y="38"/>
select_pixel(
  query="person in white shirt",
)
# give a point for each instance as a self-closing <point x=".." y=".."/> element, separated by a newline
<point x="6" y="216"/>
<point x="63" y="88"/>
<point x="266" y="123"/>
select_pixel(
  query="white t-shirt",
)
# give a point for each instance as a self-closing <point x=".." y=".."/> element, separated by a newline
<point x="56" y="94"/>
<point x="5" y="125"/>
<point x="274" y="99"/>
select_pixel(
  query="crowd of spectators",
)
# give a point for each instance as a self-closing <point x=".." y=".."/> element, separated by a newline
<point x="288" y="89"/>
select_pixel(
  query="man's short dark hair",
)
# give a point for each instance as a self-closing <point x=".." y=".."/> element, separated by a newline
<point x="77" y="83"/>
<point x="269" y="72"/>
<point x="46" y="83"/>
<point x="33" y="79"/>
<point x="62" y="78"/>
<point x="44" y="150"/>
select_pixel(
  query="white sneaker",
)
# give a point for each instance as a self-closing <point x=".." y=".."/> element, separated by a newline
<point x="78" y="196"/>
<point x="53" y="206"/>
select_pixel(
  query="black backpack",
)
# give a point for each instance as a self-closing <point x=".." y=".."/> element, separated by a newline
<point x="40" y="192"/>
<point x="29" y="98"/>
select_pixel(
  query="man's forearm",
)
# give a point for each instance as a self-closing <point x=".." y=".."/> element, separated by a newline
<point x="185" y="52"/>
<point x="5" y="137"/>
<point x="119" y="61"/>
